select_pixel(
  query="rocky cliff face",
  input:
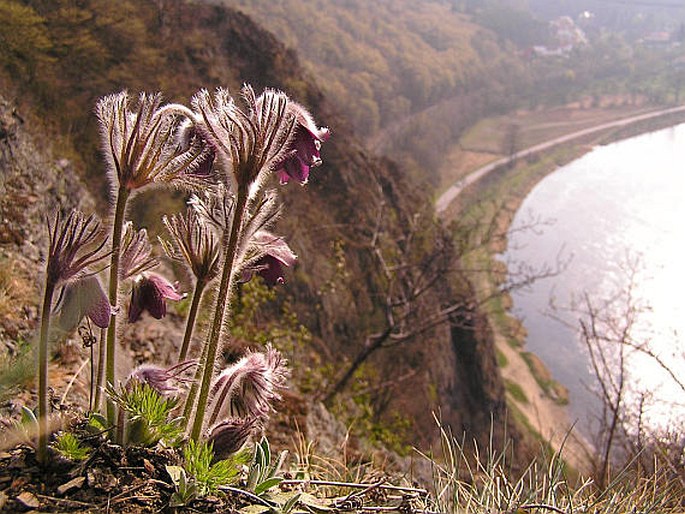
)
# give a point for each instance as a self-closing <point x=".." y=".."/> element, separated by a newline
<point x="33" y="183"/>
<point x="338" y="291"/>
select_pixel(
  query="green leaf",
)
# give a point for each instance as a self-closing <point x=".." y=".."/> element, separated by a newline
<point x="277" y="465"/>
<point x="267" y="484"/>
<point x="266" y="448"/>
<point x="28" y="416"/>
<point x="290" y="504"/>
<point x="97" y="422"/>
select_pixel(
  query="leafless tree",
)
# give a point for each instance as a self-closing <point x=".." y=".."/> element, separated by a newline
<point x="413" y="264"/>
<point x="608" y="329"/>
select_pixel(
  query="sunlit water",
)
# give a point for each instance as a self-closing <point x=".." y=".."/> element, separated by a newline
<point x="620" y="207"/>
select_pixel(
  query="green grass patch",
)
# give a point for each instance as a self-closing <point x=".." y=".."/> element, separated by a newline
<point x="502" y="360"/>
<point x="516" y="391"/>
<point x="543" y="377"/>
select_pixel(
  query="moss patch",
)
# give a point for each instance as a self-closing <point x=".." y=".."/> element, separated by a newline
<point x="543" y="377"/>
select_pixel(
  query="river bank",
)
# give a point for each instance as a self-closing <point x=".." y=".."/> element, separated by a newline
<point x="534" y="399"/>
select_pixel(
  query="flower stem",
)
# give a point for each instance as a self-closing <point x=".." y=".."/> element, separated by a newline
<point x="220" y="312"/>
<point x="43" y="414"/>
<point x="101" y="369"/>
<point x="122" y="198"/>
<point x="192" y="316"/>
<point x="192" y="393"/>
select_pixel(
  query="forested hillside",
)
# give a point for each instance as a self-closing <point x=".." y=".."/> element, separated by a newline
<point x="413" y="76"/>
<point x="382" y="61"/>
<point x="372" y="292"/>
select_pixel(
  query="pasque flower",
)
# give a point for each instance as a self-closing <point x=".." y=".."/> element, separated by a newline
<point x="304" y="148"/>
<point x="194" y="244"/>
<point x="83" y="297"/>
<point x="140" y="144"/>
<point x="248" y="388"/>
<point x="229" y="436"/>
<point x="252" y="140"/>
<point x="136" y="252"/>
<point x="274" y="253"/>
<point x="76" y="242"/>
<point x="150" y="293"/>
<point x="165" y="381"/>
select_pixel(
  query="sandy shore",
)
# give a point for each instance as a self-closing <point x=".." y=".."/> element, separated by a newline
<point x="544" y="414"/>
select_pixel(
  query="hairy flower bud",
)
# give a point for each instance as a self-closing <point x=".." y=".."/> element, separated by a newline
<point x="250" y="141"/>
<point x="248" y="388"/>
<point x="230" y="435"/>
<point x="194" y="244"/>
<point x="76" y="242"/>
<point x="165" y="381"/>
<point x="139" y="141"/>
<point x="136" y="252"/>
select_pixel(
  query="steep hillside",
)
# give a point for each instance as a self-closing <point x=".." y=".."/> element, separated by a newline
<point x="381" y="61"/>
<point x="363" y="230"/>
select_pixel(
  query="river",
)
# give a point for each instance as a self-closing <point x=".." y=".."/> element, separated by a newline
<point x="619" y="208"/>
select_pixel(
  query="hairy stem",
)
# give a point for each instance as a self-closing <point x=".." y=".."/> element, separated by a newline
<point x="192" y="393"/>
<point x="192" y="316"/>
<point x="220" y="312"/>
<point x="43" y="425"/>
<point x="122" y="198"/>
<point x="101" y="369"/>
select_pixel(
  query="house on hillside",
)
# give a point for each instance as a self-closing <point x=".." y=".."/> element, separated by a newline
<point x="566" y="34"/>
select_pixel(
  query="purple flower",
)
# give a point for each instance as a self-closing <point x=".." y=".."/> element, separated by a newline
<point x="250" y="140"/>
<point x="230" y="435"/>
<point x="275" y="253"/>
<point x="150" y="293"/>
<point x="76" y="242"/>
<point x="164" y="381"/>
<point x="305" y="147"/>
<point x="248" y="388"/>
<point x="139" y="140"/>
<point x="84" y="297"/>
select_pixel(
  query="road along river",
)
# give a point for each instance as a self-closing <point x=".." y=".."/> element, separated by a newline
<point x="453" y="191"/>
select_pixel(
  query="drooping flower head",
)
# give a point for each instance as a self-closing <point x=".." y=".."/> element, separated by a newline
<point x="304" y="149"/>
<point x="76" y="242"/>
<point x="248" y="388"/>
<point x="150" y="293"/>
<point x="139" y="142"/>
<point x="274" y="253"/>
<point x="136" y="252"/>
<point x="194" y="244"/>
<point x="83" y="297"/>
<point x="251" y="141"/>
<point x="166" y="382"/>
<point x="230" y="435"/>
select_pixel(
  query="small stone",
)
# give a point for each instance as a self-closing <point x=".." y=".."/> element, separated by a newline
<point x="28" y="500"/>
<point x="148" y="466"/>
<point x="76" y="483"/>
